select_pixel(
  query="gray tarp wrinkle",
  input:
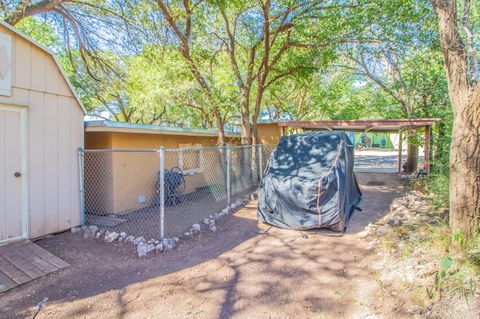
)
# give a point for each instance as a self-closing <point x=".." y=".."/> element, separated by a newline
<point x="309" y="182"/>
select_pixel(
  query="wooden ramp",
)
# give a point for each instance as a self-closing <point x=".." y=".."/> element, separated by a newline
<point x="24" y="261"/>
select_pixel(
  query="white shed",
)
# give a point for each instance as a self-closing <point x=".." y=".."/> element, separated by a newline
<point x="41" y="129"/>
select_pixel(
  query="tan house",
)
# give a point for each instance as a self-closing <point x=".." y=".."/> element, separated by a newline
<point x="126" y="181"/>
<point x="41" y="129"/>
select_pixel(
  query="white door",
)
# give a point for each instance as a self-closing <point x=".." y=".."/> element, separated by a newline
<point x="12" y="171"/>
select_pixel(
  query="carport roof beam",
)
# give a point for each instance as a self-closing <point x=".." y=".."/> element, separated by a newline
<point x="393" y="125"/>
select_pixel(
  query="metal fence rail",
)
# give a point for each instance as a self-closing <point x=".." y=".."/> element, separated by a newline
<point x="161" y="193"/>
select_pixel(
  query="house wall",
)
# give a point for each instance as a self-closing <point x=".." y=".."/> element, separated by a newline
<point x="268" y="133"/>
<point x="127" y="180"/>
<point x="55" y="132"/>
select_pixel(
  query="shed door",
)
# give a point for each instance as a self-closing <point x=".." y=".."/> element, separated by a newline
<point x="11" y="175"/>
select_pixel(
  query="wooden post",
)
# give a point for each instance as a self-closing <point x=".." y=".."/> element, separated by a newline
<point x="282" y="130"/>
<point x="400" y="138"/>
<point x="426" y="150"/>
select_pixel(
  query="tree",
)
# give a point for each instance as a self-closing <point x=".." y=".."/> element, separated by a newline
<point x="464" y="93"/>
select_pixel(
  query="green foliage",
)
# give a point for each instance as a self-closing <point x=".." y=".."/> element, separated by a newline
<point x="459" y="269"/>
<point x="40" y="31"/>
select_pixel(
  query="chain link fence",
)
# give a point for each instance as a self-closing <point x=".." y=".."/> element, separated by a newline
<point x="161" y="193"/>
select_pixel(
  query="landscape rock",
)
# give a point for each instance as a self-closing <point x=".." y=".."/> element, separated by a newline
<point x="395" y="221"/>
<point x="142" y="249"/>
<point x="100" y="234"/>
<point x="138" y="240"/>
<point x="76" y="230"/>
<point x="206" y="221"/>
<point x="130" y="239"/>
<point x="213" y="228"/>
<point x="93" y="229"/>
<point x="111" y="237"/>
<point x="176" y="239"/>
<point x="168" y="244"/>
<point x="215" y="216"/>
<point x="369" y="230"/>
<point x="159" y="247"/>
<point x="383" y="230"/>
<point x="195" y="229"/>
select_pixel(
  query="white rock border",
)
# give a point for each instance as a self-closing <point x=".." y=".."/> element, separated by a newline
<point x="144" y="247"/>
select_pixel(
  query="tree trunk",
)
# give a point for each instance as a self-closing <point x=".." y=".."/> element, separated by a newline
<point x="220" y="131"/>
<point x="465" y="145"/>
<point x="412" y="158"/>
<point x="245" y="133"/>
<point x="465" y="167"/>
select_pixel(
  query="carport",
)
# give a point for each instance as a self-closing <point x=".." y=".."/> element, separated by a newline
<point x="403" y="127"/>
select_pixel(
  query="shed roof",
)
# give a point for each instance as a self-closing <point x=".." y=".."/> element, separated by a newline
<point x="122" y="127"/>
<point x="363" y="125"/>
<point x="40" y="46"/>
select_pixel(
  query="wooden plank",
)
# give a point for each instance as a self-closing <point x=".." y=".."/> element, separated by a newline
<point x="36" y="151"/>
<point x="3" y="155"/>
<point x="22" y="59"/>
<point x="13" y="272"/>
<point x="38" y="262"/>
<point x="64" y="164"/>
<point x="13" y="185"/>
<point x="426" y="154"/>
<point x="6" y="283"/>
<point x="46" y="255"/>
<point x="50" y="165"/>
<point x="400" y="141"/>
<point x="23" y="264"/>
<point x="347" y="123"/>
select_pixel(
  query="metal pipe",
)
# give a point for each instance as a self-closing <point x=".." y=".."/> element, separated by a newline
<point x="162" y="191"/>
<point x="81" y="185"/>
<point x="119" y="151"/>
<point x="229" y="191"/>
<point x="260" y="162"/>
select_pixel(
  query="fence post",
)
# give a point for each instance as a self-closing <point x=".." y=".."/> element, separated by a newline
<point x="81" y="179"/>
<point x="260" y="162"/>
<point x="161" y="192"/>
<point x="229" y="184"/>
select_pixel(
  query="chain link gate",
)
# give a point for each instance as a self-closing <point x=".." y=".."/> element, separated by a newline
<point x="161" y="193"/>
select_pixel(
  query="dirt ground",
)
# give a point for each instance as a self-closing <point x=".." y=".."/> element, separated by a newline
<point x="244" y="270"/>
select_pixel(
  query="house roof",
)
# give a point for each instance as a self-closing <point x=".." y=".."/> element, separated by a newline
<point x="43" y="48"/>
<point x="122" y="127"/>
<point x="363" y="125"/>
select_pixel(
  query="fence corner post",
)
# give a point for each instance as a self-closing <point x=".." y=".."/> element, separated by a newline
<point x="161" y="191"/>
<point x="260" y="162"/>
<point x="81" y="185"/>
<point x="229" y="184"/>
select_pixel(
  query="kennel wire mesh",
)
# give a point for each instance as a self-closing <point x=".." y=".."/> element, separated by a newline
<point x="161" y="193"/>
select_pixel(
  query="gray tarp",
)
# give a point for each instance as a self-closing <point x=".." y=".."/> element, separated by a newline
<point x="309" y="182"/>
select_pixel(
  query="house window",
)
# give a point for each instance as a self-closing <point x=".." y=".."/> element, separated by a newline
<point x="190" y="161"/>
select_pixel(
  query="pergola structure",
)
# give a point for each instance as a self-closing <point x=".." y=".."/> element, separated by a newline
<point x="390" y="126"/>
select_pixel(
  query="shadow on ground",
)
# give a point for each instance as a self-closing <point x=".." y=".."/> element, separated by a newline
<point x="244" y="270"/>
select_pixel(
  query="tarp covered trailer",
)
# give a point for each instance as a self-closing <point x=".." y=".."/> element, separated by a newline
<point x="309" y="182"/>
